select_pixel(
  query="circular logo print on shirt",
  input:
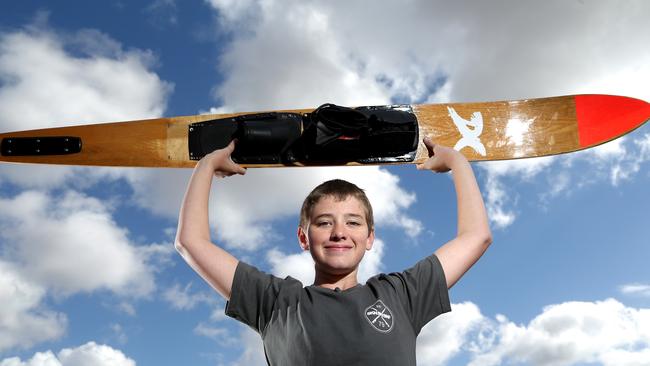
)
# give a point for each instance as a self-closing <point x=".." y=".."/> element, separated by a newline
<point x="380" y="316"/>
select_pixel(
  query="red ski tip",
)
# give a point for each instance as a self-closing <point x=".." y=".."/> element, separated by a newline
<point x="605" y="117"/>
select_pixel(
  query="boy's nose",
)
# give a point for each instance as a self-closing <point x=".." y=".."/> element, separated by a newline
<point x="338" y="232"/>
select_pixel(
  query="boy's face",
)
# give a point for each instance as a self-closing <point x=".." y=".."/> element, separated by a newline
<point x="337" y="235"/>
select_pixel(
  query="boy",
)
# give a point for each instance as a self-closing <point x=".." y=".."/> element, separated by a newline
<point x="336" y="321"/>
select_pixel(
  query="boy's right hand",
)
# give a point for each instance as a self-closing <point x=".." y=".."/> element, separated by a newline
<point x="441" y="158"/>
<point x="221" y="163"/>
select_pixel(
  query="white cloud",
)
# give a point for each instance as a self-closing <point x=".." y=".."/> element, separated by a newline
<point x="304" y="61"/>
<point x="48" y="232"/>
<point x="614" y="162"/>
<point x="605" y="332"/>
<point x="160" y="191"/>
<point x="90" y="353"/>
<point x="477" y="52"/>
<point x="625" y="79"/>
<point x="239" y="340"/>
<point x="613" y="150"/>
<point x="50" y="177"/>
<point x="126" y="308"/>
<point x="119" y="333"/>
<point x="36" y="176"/>
<point x="602" y="332"/>
<point x="558" y="184"/>
<point x="24" y="321"/>
<point x="447" y="335"/>
<point x="496" y="202"/>
<point x="162" y="13"/>
<point x="217" y="333"/>
<point x="185" y="299"/>
<point x="234" y="10"/>
<point x="639" y="289"/>
<point x="85" y="77"/>
<point x="372" y="262"/>
<point x="611" y="161"/>
<point x="253" y="353"/>
<point x="499" y="201"/>
<point x="524" y="168"/>
<point x="299" y="265"/>
<point x="644" y="146"/>
<point x="50" y="79"/>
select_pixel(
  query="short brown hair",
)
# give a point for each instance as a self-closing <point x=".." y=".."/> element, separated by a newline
<point x="340" y="190"/>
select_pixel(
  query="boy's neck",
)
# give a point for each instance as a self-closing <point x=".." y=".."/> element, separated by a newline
<point x="332" y="282"/>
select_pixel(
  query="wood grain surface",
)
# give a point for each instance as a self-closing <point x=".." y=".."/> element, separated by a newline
<point x="481" y="131"/>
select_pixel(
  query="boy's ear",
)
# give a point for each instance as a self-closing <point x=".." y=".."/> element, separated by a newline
<point x="370" y="240"/>
<point x="303" y="240"/>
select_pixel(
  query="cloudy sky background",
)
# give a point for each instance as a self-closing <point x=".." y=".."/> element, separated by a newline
<point x="88" y="274"/>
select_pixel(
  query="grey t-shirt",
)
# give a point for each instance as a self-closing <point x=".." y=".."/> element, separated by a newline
<point x="371" y="324"/>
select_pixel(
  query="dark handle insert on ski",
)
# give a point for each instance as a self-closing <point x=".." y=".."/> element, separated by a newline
<point x="40" y="145"/>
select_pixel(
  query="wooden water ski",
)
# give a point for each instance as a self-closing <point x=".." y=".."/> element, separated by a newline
<point x="481" y="131"/>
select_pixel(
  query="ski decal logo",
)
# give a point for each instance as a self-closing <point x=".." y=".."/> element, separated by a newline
<point x="470" y="130"/>
<point x="380" y="316"/>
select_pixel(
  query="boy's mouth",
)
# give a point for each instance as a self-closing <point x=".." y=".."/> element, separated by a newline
<point x="338" y="247"/>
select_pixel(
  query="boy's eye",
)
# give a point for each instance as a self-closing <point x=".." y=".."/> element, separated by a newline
<point x="323" y="223"/>
<point x="354" y="223"/>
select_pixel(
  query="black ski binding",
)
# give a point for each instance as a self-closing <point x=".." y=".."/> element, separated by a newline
<point x="365" y="135"/>
<point x="262" y="138"/>
<point x="330" y="135"/>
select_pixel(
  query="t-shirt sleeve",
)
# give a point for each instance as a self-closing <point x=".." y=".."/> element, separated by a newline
<point x="426" y="290"/>
<point x="252" y="296"/>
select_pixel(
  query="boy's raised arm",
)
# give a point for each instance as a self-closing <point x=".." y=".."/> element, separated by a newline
<point x="193" y="242"/>
<point x="473" y="237"/>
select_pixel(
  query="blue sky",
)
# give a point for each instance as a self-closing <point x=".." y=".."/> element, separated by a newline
<point x="88" y="273"/>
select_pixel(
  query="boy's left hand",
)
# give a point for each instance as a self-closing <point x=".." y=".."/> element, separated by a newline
<point x="441" y="158"/>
